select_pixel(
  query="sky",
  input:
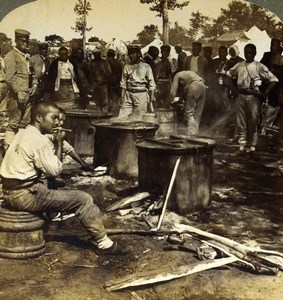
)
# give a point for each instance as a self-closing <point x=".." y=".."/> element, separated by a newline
<point x="120" y="19"/>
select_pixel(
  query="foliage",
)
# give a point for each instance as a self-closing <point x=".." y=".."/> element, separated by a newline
<point x="147" y="35"/>
<point x="198" y="23"/>
<point x="54" y="40"/>
<point x="162" y="7"/>
<point x="75" y="43"/>
<point x="81" y="11"/>
<point x="179" y="35"/>
<point x="157" y="5"/>
<point x="238" y="16"/>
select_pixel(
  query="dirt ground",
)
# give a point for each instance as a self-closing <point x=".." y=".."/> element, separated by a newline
<point x="70" y="269"/>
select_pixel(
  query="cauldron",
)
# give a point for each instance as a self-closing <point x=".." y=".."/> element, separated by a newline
<point x="115" y="146"/>
<point x="156" y="160"/>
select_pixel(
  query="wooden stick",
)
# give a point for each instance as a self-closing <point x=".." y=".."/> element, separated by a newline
<point x="172" y="180"/>
<point x="127" y="200"/>
<point x="165" y="276"/>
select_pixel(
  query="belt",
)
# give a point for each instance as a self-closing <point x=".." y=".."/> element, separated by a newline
<point x="163" y="80"/>
<point x="246" y="92"/>
<point x="65" y="81"/>
<point x="16" y="184"/>
<point x="134" y="90"/>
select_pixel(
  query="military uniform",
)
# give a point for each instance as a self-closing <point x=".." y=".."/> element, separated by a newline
<point x="18" y="84"/>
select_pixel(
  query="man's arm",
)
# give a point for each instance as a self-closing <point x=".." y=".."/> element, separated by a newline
<point x="77" y="158"/>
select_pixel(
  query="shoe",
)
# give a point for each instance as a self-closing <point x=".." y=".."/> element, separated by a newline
<point x="115" y="249"/>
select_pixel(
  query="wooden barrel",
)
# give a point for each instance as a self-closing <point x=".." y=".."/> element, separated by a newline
<point x="21" y="234"/>
<point x="192" y="187"/>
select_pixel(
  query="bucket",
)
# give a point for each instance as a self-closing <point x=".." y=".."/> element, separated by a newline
<point x="192" y="187"/>
<point x="81" y="122"/>
<point x="21" y="234"/>
<point x="115" y="146"/>
<point x="167" y="120"/>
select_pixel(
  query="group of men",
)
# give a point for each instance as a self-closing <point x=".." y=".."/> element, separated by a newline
<point x="35" y="88"/>
<point x="35" y="142"/>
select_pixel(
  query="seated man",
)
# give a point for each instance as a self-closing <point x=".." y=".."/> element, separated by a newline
<point x="32" y="154"/>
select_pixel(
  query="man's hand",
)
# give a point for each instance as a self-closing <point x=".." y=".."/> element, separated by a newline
<point x="22" y="97"/>
<point x="59" y="135"/>
<point x="32" y="90"/>
<point x="86" y="167"/>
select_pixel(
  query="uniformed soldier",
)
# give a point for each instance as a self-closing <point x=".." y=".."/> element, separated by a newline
<point x="19" y="84"/>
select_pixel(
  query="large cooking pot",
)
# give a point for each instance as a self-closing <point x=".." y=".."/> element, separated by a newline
<point x="82" y="122"/>
<point x="156" y="161"/>
<point x="115" y="146"/>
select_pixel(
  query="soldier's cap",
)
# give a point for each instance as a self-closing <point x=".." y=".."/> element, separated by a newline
<point x="133" y="48"/>
<point x="43" y="45"/>
<point x="21" y="34"/>
<point x="197" y="44"/>
<point x="165" y="47"/>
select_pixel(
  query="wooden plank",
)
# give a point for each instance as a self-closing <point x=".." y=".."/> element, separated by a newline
<point x="126" y="201"/>
<point x="166" y="276"/>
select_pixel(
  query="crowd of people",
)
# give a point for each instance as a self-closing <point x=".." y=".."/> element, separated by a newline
<point x="203" y="89"/>
<point x="37" y="89"/>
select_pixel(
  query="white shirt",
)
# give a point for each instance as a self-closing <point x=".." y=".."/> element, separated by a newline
<point x="194" y="64"/>
<point x="30" y="155"/>
<point x="64" y="70"/>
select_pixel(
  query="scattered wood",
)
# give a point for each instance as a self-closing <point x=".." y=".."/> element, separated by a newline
<point x="259" y="260"/>
<point x="250" y="255"/>
<point x="178" y="272"/>
<point x="168" y="193"/>
<point x="135" y="296"/>
<point x="126" y="201"/>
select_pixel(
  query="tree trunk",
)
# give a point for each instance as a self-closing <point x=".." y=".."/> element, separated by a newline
<point x="84" y="29"/>
<point x="165" y="21"/>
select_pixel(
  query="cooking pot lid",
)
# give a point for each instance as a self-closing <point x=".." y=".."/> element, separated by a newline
<point x="87" y="113"/>
<point x="128" y="125"/>
<point x="177" y="143"/>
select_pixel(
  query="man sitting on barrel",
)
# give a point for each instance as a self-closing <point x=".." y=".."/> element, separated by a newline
<point x="32" y="154"/>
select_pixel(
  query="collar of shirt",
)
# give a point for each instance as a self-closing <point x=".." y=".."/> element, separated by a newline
<point x="26" y="55"/>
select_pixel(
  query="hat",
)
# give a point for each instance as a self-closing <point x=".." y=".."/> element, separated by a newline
<point x="166" y="47"/>
<point x="133" y="47"/>
<point x="178" y="46"/>
<point x="22" y="34"/>
<point x="43" y="45"/>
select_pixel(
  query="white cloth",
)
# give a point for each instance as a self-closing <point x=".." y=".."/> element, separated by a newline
<point x="66" y="71"/>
